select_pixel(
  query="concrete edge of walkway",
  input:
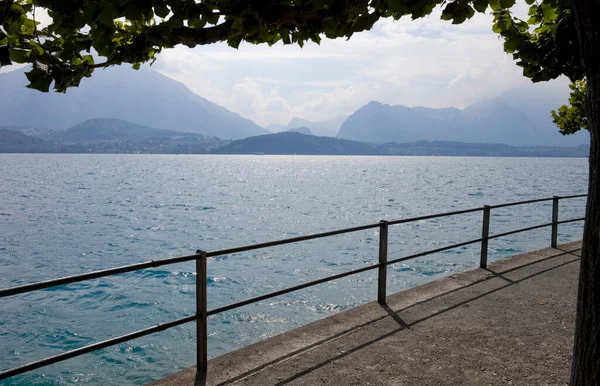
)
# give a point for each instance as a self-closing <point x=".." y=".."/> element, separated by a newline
<point x="246" y="361"/>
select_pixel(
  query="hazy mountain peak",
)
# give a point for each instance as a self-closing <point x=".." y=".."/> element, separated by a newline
<point x="302" y="130"/>
<point x="109" y="129"/>
<point x="275" y="127"/>
<point x="328" y="128"/>
<point x="494" y="120"/>
<point x="144" y="96"/>
<point x="376" y="104"/>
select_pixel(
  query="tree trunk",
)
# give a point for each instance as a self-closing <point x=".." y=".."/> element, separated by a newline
<point x="585" y="369"/>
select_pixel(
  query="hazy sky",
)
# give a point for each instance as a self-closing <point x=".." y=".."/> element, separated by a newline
<point x="427" y="62"/>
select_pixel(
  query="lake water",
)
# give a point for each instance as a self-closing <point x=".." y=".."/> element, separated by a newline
<point x="68" y="214"/>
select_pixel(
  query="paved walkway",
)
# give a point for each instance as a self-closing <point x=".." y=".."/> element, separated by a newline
<point x="511" y="324"/>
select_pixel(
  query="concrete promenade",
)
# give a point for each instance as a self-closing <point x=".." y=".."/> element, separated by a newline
<point x="509" y="324"/>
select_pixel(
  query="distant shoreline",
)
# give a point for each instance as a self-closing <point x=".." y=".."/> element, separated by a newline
<point x="122" y="138"/>
<point x="305" y="155"/>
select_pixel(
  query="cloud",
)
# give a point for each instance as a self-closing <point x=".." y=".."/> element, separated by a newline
<point x="251" y="96"/>
<point x="426" y="62"/>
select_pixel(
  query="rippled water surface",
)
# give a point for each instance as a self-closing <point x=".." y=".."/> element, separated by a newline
<point x="68" y="214"/>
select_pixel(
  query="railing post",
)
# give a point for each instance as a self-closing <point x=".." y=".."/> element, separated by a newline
<point x="382" y="274"/>
<point x="201" y="318"/>
<point x="554" y="240"/>
<point x="485" y="232"/>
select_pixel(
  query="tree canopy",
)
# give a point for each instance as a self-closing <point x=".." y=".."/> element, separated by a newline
<point x="135" y="31"/>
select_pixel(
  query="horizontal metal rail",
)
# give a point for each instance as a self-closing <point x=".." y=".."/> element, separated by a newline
<point x="174" y="260"/>
<point x="275" y="243"/>
<point x="519" y="230"/>
<point x="521" y="202"/>
<point x="572" y="196"/>
<point x="202" y="255"/>
<point x="290" y="289"/>
<point x="157" y="263"/>
<point x="571" y="220"/>
<point x="92" y="275"/>
<point x="535" y="200"/>
<point x="431" y="216"/>
<point x="432" y="251"/>
<point x="93" y="347"/>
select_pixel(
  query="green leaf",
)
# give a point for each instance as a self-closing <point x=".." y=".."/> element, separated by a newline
<point x="136" y="66"/>
<point x="39" y="79"/>
<point x="446" y="15"/>
<point x="536" y="19"/>
<point x="457" y="12"/>
<point x="133" y="14"/>
<point x="79" y="20"/>
<point x="19" y="56"/>
<point x="36" y="48"/>
<point x="449" y="12"/>
<point x="238" y="24"/>
<point x="529" y="72"/>
<point x="470" y="12"/>
<point x="234" y="42"/>
<point x="212" y="18"/>
<point x="14" y="27"/>
<point x="198" y="24"/>
<point x="480" y="5"/>
<point x="89" y="59"/>
<point x="460" y="16"/>
<point x="495" y="5"/>
<point x="28" y="27"/>
<point x="533" y="10"/>
<point x="175" y="22"/>
<point x="507" y="3"/>
<point x="162" y="11"/>
<point x="106" y="17"/>
<point x="89" y="13"/>
<point x="511" y="45"/>
<point x="548" y="12"/>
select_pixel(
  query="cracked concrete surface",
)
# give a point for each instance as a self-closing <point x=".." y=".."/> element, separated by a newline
<point x="509" y="324"/>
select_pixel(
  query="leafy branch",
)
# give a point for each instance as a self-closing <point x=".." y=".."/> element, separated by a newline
<point x="134" y="32"/>
<point x="572" y="118"/>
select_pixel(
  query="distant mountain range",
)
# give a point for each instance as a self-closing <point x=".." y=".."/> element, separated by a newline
<point x="518" y="117"/>
<point x="154" y="102"/>
<point x="487" y="121"/>
<point x="145" y="97"/>
<point x="328" y="128"/>
<point x="301" y="144"/>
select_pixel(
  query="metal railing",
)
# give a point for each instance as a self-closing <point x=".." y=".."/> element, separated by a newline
<point x="200" y="258"/>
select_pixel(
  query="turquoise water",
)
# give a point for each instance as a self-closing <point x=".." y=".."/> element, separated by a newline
<point x="68" y="214"/>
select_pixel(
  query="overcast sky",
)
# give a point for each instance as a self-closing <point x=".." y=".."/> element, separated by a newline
<point x="426" y="62"/>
